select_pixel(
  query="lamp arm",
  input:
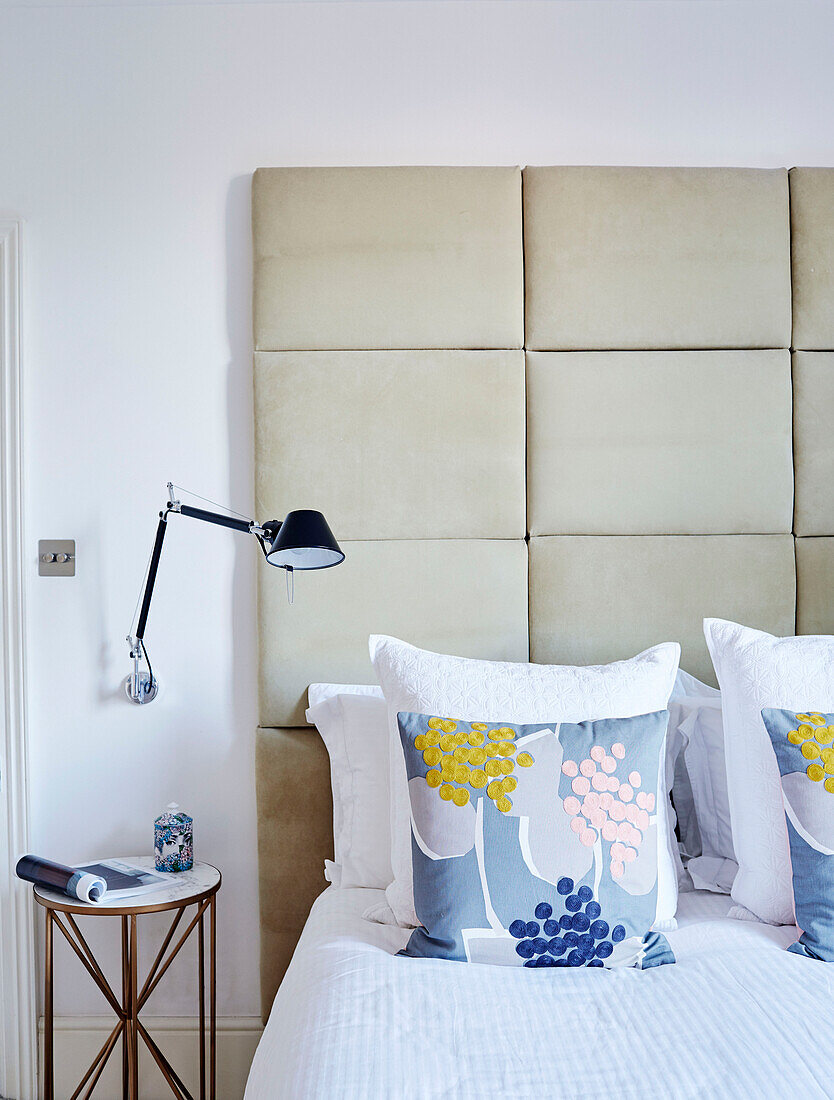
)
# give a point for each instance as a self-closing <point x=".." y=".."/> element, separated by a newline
<point x="143" y="687"/>
<point x="156" y="554"/>
<point x="264" y="533"/>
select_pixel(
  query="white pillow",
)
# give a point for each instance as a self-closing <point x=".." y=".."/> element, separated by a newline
<point x="709" y="840"/>
<point x="353" y="723"/>
<point x="318" y="693"/>
<point x="493" y="691"/>
<point x="756" y="670"/>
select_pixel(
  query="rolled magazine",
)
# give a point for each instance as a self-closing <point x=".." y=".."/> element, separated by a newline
<point x="71" y="881"/>
<point x="92" y="881"/>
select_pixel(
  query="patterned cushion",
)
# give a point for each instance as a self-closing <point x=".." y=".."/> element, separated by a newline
<point x="757" y="671"/>
<point x="804" y="745"/>
<point x="535" y="845"/>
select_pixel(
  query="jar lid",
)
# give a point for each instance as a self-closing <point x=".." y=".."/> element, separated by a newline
<point x="173" y="816"/>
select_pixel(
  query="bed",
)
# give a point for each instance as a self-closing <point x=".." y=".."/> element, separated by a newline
<point x="737" y="1015"/>
<point x="557" y="415"/>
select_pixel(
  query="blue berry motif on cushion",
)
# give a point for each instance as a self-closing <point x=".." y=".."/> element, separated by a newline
<point x="577" y="938"/>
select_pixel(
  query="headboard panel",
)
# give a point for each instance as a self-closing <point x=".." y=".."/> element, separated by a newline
<point x="598" y="598"/>
<point x="466" y="596"/>
<point x="295" y="836"/>
<point x="654" y="258"/>
<point x="650" y="483"/>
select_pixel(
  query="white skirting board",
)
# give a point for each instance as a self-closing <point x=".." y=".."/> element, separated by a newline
<point x="79" y="1038"/>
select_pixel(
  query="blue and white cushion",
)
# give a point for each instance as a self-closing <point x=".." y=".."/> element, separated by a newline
<point x="803" y="741"/>
<point x="536" y="845"/>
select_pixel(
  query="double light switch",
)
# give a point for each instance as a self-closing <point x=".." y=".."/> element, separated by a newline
<point x="56" y="558"/>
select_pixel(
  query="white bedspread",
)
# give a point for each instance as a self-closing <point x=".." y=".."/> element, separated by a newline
<point x="736" y="1016"/>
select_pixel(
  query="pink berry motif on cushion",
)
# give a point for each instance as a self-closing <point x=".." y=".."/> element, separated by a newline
<point x="813" y="738"/>
<point x="602" y="804"/>
<point x="478" y="757"/>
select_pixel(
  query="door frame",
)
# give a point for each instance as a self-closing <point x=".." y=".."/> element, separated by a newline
<point x="18" y="1000"/>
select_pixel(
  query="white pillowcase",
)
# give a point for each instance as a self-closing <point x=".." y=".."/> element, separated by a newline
<point x="318" y="693"/>
<point x="353" y="723"/>
<point x="709" y="839"/>
<point x="755" y="671"/>
<point x="494" y="691"/>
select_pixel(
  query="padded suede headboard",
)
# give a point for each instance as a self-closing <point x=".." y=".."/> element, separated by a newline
<point x="559" y="414"/>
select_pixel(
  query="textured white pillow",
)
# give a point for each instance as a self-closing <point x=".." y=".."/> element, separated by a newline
<point x="498" y="691"/>
<point x="697" y="709"/>
<point x="756" y="670"/>
<point x="353" y="723"/>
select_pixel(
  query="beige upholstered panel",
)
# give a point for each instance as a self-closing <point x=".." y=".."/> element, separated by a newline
<point x="815" y="586"/>
<point x="812" y="257"/>
<point x="813" y="388"/>
<point x="686" y="442"/>
<point x="466" y="596"/>
<point x="387" y="258"/>
<point x="596" y="599"/>
<point x="295" y="836"/>
<point x="394" y="444"/>
<point x="620" y="258"/>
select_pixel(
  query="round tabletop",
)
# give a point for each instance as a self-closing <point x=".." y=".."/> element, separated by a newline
<point x="185" y="888"/>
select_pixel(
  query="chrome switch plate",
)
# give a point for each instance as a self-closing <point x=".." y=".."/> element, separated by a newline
<point x="56" y="557"/>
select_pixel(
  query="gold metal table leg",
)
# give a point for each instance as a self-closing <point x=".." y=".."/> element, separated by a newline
<point x="133" y="1091"/>
<point x="201" y="966"/>
<point x="48" y="1069"/>
<point x="125" y="1005"/>
<point x="213" y="995"/>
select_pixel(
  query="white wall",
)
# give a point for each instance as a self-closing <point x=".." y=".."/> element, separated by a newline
<point x="128" y="135"/>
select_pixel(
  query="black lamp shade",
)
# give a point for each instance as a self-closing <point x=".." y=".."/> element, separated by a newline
<point x="304" y="541"/>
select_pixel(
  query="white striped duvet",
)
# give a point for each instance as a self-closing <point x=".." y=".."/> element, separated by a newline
<point x="736" y="1016"/>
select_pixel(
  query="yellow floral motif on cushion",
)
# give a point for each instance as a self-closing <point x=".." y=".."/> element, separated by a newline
<point x="812" y="732"/>
<point x="476" y="758"/>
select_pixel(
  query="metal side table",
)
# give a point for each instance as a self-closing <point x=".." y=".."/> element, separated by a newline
<point x="197" y="887"/>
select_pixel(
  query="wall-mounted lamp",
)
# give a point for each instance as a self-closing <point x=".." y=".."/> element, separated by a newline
<point x="302" y="541"/>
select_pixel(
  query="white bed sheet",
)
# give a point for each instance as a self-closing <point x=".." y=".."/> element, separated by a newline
<point x="736" y="1016"/>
